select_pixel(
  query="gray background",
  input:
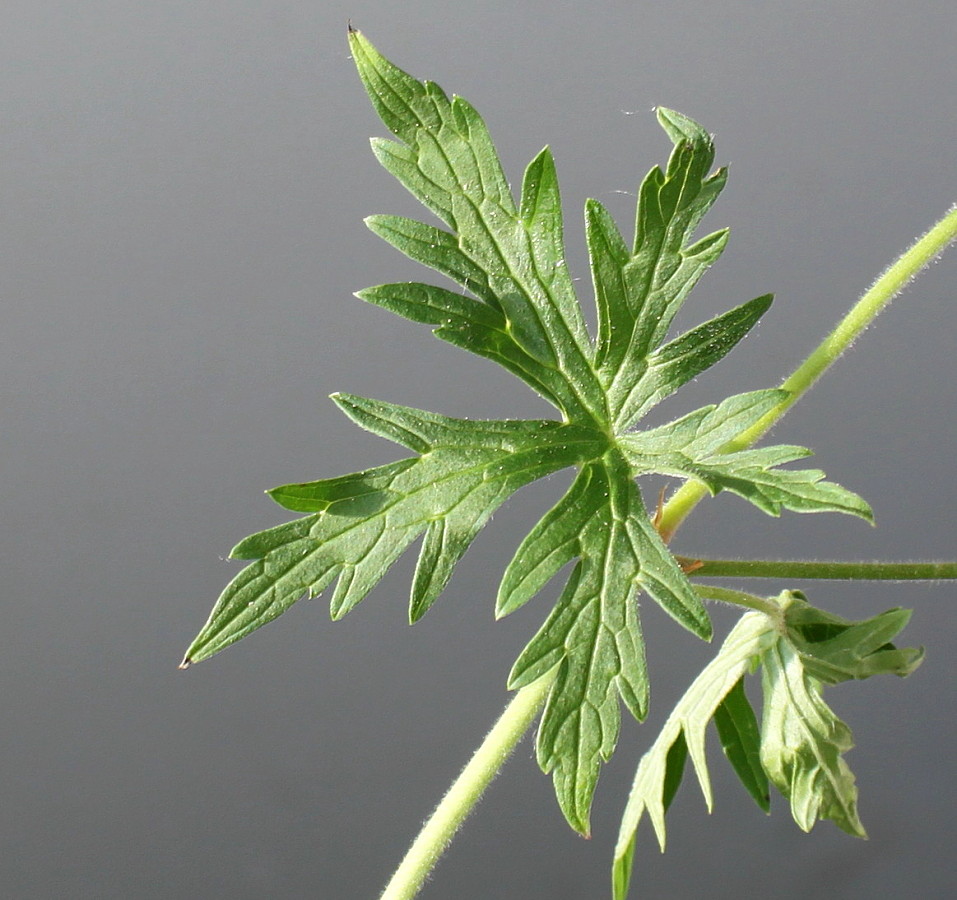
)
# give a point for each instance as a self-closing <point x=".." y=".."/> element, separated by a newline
<point x="183" y="190"/>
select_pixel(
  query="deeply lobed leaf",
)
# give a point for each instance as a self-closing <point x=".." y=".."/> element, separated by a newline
<point x="516" y="305"/>
<point x="834" y="649"/>
<point x="802" y="740"/>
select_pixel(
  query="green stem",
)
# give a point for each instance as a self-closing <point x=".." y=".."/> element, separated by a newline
<point x="466" y="790"/>
<point x="833" y="571"/>
<point x="739" y="598"/>
<point x="921" y="254"/>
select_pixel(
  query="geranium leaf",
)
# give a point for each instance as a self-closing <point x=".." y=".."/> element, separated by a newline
<point x="512" y="300"/>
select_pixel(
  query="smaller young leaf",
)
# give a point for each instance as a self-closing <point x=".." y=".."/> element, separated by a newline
<point x="741" y="741"/>
<point x="658" y="771"/>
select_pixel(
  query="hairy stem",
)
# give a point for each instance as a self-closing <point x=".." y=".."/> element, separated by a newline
<point x="825" y="570"/>
<point x="466" y="790"/>
<point x="921" y="254"/>
<point x="739" y="598"/>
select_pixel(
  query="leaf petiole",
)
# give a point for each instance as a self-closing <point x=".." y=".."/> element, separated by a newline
<point x="825" y="570"/>
<point x="741" y="598"/>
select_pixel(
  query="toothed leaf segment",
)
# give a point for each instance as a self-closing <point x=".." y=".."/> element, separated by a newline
<point x="514" y="303"/>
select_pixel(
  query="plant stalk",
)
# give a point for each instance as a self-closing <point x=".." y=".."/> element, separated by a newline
<point x="894" y="279"/>
<point x="739" y="598"/>
<point x="466" y="790"/>
<point x="824" y="570"/>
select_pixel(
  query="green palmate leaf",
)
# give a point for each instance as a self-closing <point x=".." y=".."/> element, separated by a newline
<point x="515" y="304"/>
<point x="660" y="768"/>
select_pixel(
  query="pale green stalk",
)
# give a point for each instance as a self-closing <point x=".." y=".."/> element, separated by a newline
<point x="466" y="790"/>
<point x="739" y="598"/>
<point x="921" y="254"/>
<point x="822" y="570"/>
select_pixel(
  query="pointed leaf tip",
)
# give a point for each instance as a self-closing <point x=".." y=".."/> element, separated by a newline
<point x="681" y="127"/>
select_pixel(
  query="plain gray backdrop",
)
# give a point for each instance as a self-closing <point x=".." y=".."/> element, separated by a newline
<point x="183" y="190"/>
